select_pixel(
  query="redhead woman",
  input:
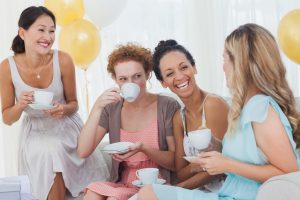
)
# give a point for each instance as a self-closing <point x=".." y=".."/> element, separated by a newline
<point x="146" y="122"/>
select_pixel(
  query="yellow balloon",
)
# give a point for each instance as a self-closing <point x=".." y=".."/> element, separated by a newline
<point x="289" y="35"/>
<point x="81" y="40"/>
<point x="66" y="11"/>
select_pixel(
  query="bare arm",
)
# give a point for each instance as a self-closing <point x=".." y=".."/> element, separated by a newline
<point x="11" y="111"/>
<point x="272" y="139"/>
<point x="189" y="175"/>
<point x="67" y="69"/>
<point x="183" y="168"/>
<point x="91" y="133"/>
<point x="162" y="158"/>
<point x="69" y="83"/>
<point x="269" y="135"/>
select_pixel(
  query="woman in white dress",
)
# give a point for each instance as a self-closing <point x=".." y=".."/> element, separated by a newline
<point x="48" y="137"/>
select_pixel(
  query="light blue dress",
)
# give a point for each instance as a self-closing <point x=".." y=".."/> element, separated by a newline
<point x="242" y="147"/>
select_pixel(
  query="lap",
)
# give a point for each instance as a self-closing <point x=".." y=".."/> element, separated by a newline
<point x="178" y="193"/>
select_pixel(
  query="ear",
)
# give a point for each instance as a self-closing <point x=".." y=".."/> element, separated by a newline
<point x="195" y="69"/>
<point x="21" y="32"/>
<point x="113" y="76"/>
<point x="163" y="84"/>
<point x="148" y="75"/>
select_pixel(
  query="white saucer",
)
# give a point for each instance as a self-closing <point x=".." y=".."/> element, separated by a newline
<point x="40" y="106"/>
<point x="118" y="147"/>
<point x="139" y="183"/>
<point x="189" y="158"/>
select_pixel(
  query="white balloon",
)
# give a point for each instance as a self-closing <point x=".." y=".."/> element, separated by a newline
<point x="104" y="12"/>
<point x="34" y="2"/>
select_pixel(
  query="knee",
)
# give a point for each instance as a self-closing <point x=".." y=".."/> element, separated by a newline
<point x="90" y="195"/>
<point x="146" y="193"/>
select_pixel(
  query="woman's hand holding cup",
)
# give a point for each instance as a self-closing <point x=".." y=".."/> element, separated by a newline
<point x="108" y="96"/>
<point x="213" y="162"/>
<point x="137" y="147"/>
<point x="24" y="99"/>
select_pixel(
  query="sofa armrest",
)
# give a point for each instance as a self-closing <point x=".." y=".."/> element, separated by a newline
<point x="284" y="187"/>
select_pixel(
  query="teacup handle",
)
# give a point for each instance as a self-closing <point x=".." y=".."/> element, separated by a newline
<point x="137" y="174"/>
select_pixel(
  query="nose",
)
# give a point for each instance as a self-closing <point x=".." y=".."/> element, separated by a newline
<point x="179" y="75"/>
<point x="48" y="36"/>
<point x="129" y="80"/>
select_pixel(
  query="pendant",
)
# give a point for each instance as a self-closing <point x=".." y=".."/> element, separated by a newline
<point x="38" y="76"/>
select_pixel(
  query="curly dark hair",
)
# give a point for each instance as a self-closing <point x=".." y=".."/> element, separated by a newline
<point x="164" y="47"/>
<point x="129" y="52"/>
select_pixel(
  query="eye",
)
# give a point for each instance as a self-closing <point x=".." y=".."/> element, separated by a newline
<point x="137" y="76"/>
<point x="122" y="79"/>
<point x="41" y="30"/>
<point x="169" y="74"/>
<point x="184" y="67"/>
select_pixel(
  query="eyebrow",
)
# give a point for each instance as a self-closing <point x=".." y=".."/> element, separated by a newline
<point x="45" y="25"/>
<point x="138" y="73"/>
<point x="181" y="63"/>
<point x="178" y="65"/>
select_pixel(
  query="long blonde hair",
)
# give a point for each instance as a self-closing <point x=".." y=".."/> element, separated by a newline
<point x="256" y="61"/>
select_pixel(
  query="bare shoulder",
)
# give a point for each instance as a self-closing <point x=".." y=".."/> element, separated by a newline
<point x="65" y="61"/>
<point x="64" y="58"/>
<point x="4" y="68"/>
<point x="215" y="102"/>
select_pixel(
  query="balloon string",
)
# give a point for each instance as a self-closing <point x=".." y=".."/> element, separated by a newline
<point x="87" y="93"/>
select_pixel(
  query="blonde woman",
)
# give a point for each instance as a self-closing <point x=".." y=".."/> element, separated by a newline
<point x="262" y="119"/>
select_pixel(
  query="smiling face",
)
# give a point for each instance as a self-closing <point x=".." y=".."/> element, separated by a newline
<point x="178" y="74"/>
<point x="40" y="36"/>
<point x="131" y="71"/>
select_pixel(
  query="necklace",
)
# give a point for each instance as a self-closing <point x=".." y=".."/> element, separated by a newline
<point x="43" y="65"/>
<point x="38" y="76"/>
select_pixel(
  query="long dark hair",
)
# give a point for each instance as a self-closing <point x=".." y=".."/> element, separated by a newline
<point x="27" y="18"/>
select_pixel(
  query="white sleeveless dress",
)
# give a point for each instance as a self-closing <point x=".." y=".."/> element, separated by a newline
<point x="48" y="145"/>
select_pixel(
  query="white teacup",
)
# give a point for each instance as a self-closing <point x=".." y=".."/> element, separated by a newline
<point x="130" y="91"/>
<point x="43" y="97"/>
<point x="200" y="138"/>
<point x="147" y="175"/>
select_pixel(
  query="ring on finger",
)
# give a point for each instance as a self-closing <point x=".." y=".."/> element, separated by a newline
<point x="204" y="169"/>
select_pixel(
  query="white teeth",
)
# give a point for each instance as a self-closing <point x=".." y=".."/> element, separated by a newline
<point x="182" y="85"/>
<point x="44" y="44"/>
